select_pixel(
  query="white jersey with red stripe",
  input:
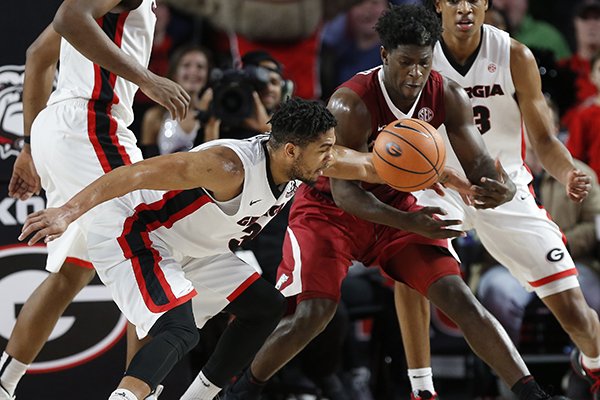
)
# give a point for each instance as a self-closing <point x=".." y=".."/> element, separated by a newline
<point x="519" y="234"/>
<point x="192" y="222"/>
<point x="488" y="82"/>
<point x="133" y="32"/>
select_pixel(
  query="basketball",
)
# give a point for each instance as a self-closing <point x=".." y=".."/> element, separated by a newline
<point x="409" y="155"/>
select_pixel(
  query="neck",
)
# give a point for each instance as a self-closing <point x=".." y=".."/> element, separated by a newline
<point x="399" y="101"/>
<point x="276" y="161"/>
<point x="462" y="49"/>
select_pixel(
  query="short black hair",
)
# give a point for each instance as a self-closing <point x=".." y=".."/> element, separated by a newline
<point x="408" y="24"/>
<point x="300" y="122"/>
<point x="256" y="57"/>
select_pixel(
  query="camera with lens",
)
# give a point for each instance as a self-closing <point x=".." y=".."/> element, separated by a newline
<point x="232" y="92"/>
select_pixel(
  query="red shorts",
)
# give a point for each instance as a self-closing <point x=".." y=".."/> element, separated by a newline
<point x="322" y="241"/>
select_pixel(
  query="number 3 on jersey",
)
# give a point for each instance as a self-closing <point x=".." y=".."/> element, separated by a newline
<point x="481" y="118"/>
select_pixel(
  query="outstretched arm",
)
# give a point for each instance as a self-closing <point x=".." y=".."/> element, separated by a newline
<point x="40" y="69"/>
<point x="352" y="165"/>
<point x="75" y="20"/>
<point x="217" y="169"/>
<point x="555" y="158"/>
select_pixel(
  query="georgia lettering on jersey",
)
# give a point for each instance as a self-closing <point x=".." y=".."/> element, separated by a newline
<point x="488" y="82"/>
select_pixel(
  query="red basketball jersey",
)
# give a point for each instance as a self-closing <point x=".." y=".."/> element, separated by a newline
<point x="368" y="85"/>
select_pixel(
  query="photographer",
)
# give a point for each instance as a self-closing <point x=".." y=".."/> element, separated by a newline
<point x="242" y="101"/>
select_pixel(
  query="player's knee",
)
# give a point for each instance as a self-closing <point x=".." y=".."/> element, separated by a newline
<point x="312" y="316"/>
<point x="451" y="295"/>
<point x="178" y="329"/>
<point x="74" y="275"/>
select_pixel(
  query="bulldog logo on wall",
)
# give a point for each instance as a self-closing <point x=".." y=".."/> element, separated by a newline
<point x="11" y="110"/>
<point x="91" y="325"/>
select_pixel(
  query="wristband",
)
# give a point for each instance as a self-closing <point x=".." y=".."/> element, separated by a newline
<point x="27" y="139"/>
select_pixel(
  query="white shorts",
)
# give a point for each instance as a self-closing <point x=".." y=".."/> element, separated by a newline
<point x="147" y="277"/>
<point x="520" y="235"/>
<point x="71" y="147"/>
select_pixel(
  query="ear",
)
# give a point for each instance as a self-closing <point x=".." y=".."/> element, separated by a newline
<point x="384" y="55"/>
<point x="438" y="8"/>
<point x="290" y="150"/>
<point x="486" y="4"/>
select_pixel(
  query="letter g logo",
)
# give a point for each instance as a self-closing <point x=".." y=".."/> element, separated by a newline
<point x="393" y="149"/>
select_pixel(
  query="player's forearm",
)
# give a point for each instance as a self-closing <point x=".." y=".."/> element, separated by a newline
<point x="353" y="165"/>
<point x="177" y="171"/>
<point x="356" y="201"/>
<point x="481" y="167"/>
<point x="555" y="158"/>
<point x="40" y="69"/>
<point x="83" y="32"/>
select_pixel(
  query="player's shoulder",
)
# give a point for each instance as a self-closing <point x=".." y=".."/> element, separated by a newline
<point x="519" y="53"/>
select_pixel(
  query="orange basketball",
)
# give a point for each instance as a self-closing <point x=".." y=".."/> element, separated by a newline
<point x="409" y="154"/>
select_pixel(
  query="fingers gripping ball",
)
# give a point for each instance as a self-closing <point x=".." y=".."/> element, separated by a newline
<point x="409" y="154"/>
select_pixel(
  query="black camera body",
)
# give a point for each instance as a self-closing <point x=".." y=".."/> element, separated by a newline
<point x="232" y="92"/>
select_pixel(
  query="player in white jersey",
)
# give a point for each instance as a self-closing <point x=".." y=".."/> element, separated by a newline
<point x="157" y="249"/>
<point x="502" y="79"/>
<point x="80" y="135"/>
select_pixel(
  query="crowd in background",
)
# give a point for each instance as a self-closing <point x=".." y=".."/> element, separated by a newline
<point x="311" y="47"/>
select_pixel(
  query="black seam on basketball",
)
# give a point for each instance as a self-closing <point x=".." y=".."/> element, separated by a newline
<point x="400" y="168"/>
<point x="418" y="121"/>
<point x="415" y="147"/>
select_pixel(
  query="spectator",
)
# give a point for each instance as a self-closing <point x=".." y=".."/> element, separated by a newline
<point x="350" y="44"/>
<point x="587" y="37"/>
<point x="584" y="130"/>
<point x="161" y="134"/>
<point x="532" y="32"/>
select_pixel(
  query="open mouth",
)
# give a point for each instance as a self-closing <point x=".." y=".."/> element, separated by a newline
<point x="464" y="25"/>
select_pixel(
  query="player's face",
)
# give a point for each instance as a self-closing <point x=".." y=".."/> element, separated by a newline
<point x="462" y="18"/>
<point x="406" y="69"/>
<point x="313" y="158"/>
<point x="192" y="72"/>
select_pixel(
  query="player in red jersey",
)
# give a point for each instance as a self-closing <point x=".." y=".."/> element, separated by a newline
<point x="333" y="223"/>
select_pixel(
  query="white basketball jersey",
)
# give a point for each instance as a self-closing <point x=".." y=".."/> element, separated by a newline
<point x="133" y="32"/>
<point x="489" y="84"/>
<point x="192" y="222"/>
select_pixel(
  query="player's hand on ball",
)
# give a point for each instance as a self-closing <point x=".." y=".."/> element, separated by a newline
<point x="426" y="222"/>
<point x="45" y="225"/>
<point x="491" y="193"/>
<point x="578" y="185"/>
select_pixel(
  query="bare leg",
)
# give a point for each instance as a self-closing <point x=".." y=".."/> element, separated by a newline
<point x="43" y="309"/>
<point x="136" y="386"/>
<point x="482" y="331"/>
<point x="291" y="335"/>
<point x="577" y="319"/>
<point x="412" y="310"/>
